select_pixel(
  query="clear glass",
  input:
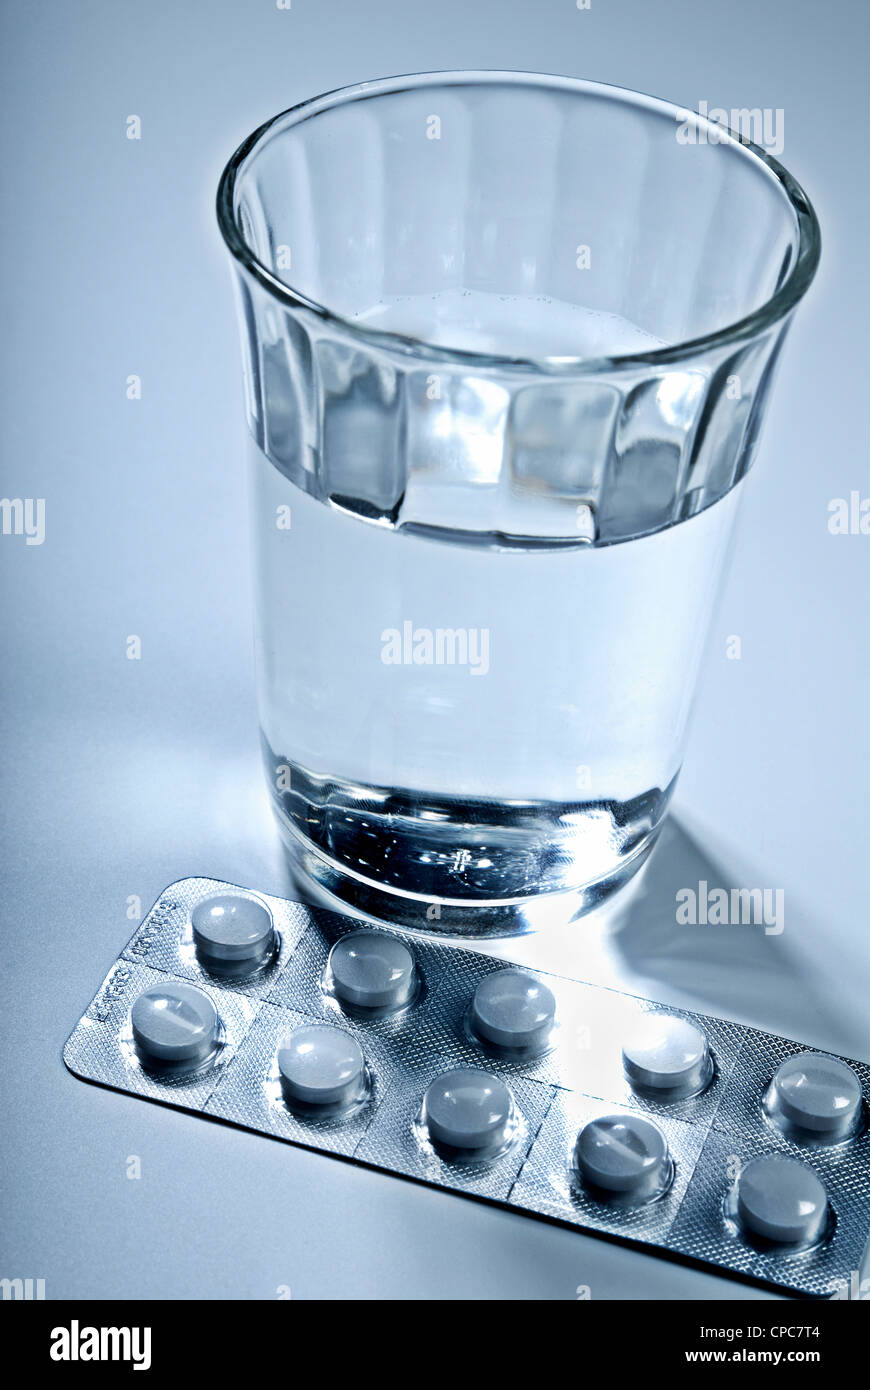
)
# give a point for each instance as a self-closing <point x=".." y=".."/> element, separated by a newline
<point x="508" y="341"/>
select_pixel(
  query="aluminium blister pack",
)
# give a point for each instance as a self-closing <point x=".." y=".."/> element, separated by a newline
<point x="675" y="1131"/>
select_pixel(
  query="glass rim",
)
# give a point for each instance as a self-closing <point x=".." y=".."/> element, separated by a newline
<point x="767" y="315"/>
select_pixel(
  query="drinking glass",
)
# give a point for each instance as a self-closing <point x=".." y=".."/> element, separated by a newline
<point x="508" y="341"/>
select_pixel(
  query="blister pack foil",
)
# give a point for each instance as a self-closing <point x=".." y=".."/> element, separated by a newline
<point x="674" y="1131"/>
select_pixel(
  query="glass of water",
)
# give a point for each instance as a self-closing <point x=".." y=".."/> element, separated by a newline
<point x="508" y="341"/>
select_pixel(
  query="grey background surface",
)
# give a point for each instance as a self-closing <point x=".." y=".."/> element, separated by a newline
<point x="120" y="776"/>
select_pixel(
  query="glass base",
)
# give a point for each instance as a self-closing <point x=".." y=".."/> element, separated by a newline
<point x="471" y="868"/>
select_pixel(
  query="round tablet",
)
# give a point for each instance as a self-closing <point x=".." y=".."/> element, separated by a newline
<point x="468" y="1110"/>
<point x="512" y="1009"/>
<point x="666" y="1053"/>
<point x="370" y="970"/>
<point x="623" y="1153"/>
<point x="321" y="1066"/>
<point x="232" y="934"/>
<point x="174" y="1026"/>
<point x="817" y="1093"/>
<point x="782" y="1200"/>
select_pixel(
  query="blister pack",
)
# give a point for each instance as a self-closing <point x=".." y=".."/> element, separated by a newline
<point x="668" y="1129"/>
